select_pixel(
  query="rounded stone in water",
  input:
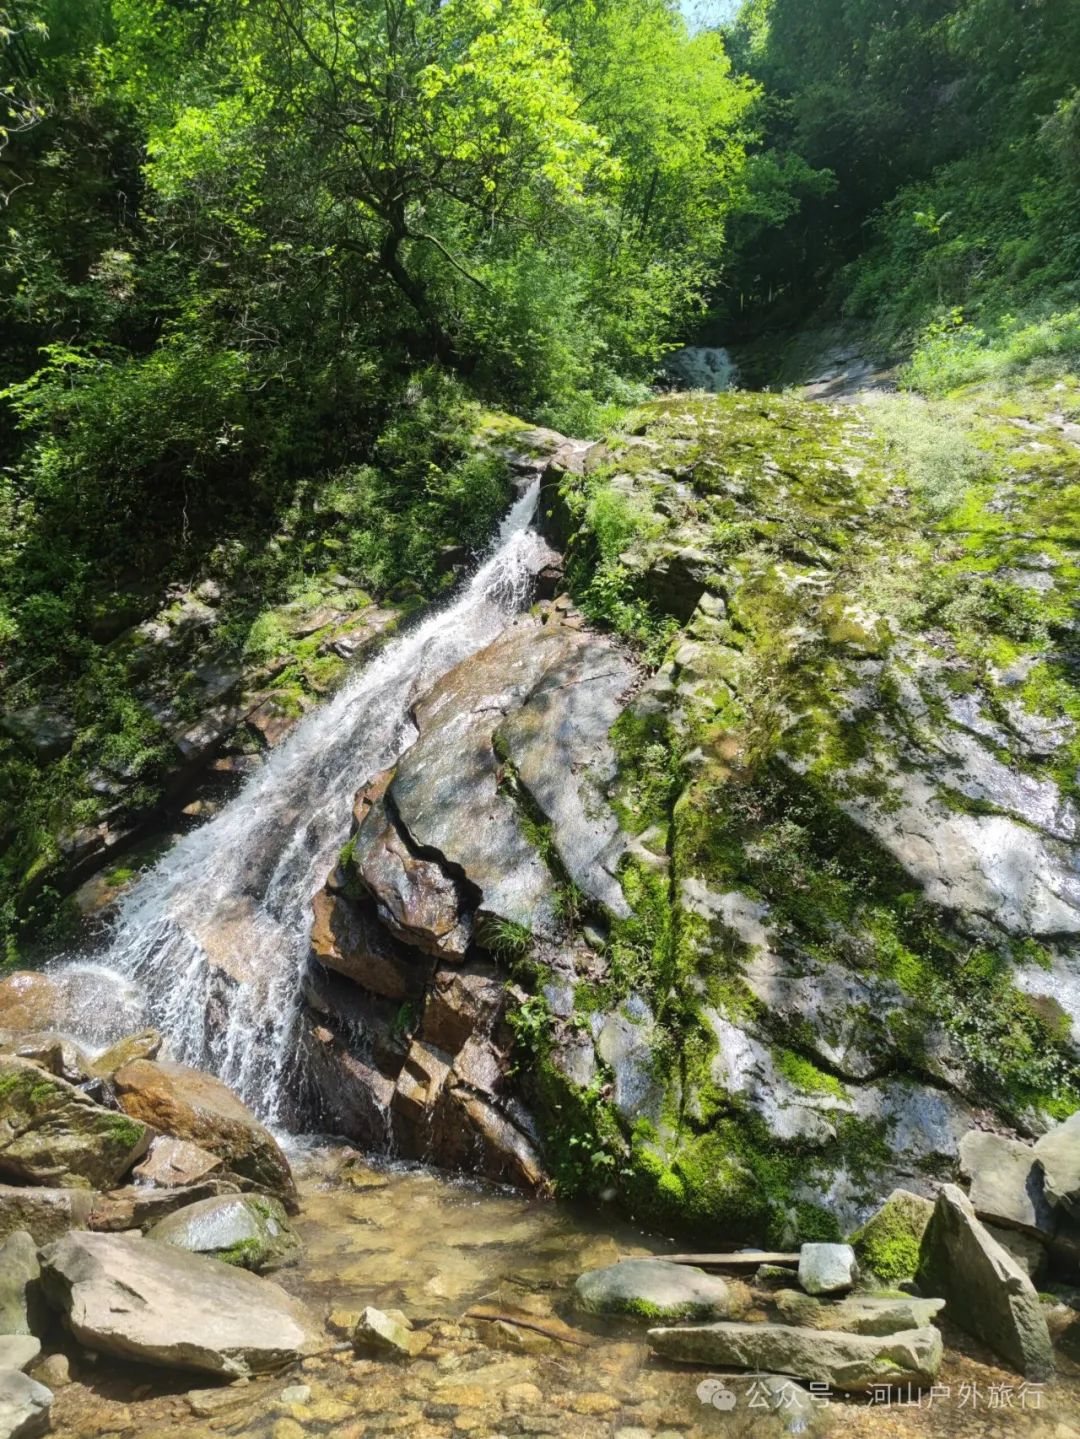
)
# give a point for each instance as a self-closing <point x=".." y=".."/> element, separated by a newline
<point x="656" y="1290"/>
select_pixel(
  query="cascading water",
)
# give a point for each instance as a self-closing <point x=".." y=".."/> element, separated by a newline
<point x="215" y="936"/>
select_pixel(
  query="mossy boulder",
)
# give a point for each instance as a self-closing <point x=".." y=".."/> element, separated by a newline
<point x="887" y="1245"/>
<point x="52" y="1133"/>
<point x="656" y="1291"/>
<point x="251" y="1231"/>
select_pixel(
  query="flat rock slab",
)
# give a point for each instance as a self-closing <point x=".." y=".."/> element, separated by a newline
<point x="1006" y="1182"/>
<point x="1058" y="1151"/>
<point x="25" y="1406"/>
<point x="53" y="1133"/>
<point x="858" y="1314"/>
<point x="655" y="1290"/>
<point x="123" y="1295"/>
<point x="986" y="1292"/>
<point x="849" y="1362"/>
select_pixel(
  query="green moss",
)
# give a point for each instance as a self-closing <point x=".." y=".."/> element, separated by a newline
<point x="888" y="1243"/>
<point x="805" y="1075"/>
<point x="244" y="1254"/>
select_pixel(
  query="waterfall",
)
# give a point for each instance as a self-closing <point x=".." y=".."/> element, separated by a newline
<point x="215" y="935"/>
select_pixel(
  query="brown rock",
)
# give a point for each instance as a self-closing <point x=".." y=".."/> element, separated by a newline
<point x="174" y="1162"/>
<point x="419" y="1085"/>
<point x="348" y="938"/>
<point x="417" y="899"/>
<point x="91" y="1003"/>
<point x="191" y="1105"/>
<point x="55" y="1052"/>
<point x="460" y="1001"/>
<point x="135" y="1205"/>
<point x="45" y="1214"/>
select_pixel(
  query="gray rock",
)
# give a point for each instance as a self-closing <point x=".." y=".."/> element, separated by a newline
<point x="18" y="1351"/>
<point x="986" y="1292"/>
<point x="53" y="1133"/>
<point x="1058" y="1151"/>
<point x="657" y="1291"/>
<point x="251" y="1231"/>
<point x="44" y="732"/>
<point x="1006" y="1182"/>
<point x="25" y="1406"/>
<point x="22" y="1306"/>
<point x="849" y="1362"/>
<point x="122" y="1295"/>
<point x="1028" y="1251"/>
<point x="858" y="1313"/>
<point x="558" y="744"/>
<point x="827" y="1268"/>
<point x="627" y="1045"/>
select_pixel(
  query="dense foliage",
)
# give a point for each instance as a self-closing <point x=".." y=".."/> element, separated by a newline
<point x="918" y="163"/>
<point x="259" y="257"/>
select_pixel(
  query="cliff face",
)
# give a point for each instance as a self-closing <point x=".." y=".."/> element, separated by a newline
<point x="744" y="890"/>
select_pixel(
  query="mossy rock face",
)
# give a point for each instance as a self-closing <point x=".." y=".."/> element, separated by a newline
<point x="655" y="1291"/>
<point x="849" y="777"/>
<point x="888" y="1243"/>
<point x="251" y="1231"/>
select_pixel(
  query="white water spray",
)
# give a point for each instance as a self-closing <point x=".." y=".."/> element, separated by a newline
<point x="216" y="935"/>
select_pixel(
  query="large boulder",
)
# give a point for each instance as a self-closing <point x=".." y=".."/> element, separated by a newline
<point x="657" y="1291"/>
<point x="1058" y="1151"/>
<point x="135" y="1206"/>
<point x="347" y="937"/>
<point x="45" y="1214"/>
<point x="1006" y="1183"/>
<point x="122" y="1295"/>
<point x="25" y="1406"/>
<point x="850" y="1362"/>
<point x="251" y="1231"/>
<point x="53" y="1133"/>
<point x="21" y="1301"/>
<point x="986" y="1292"/>
<point x="191" y="1105"/>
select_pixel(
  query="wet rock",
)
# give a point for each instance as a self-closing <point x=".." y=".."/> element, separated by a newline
<point x="418" y="1089"/>
<point x="55" y="1052"/>
<point x="144" y="1045"/>
<point x="176" y="1163"/>
<point x="888" y="1244"/>
<point x="857" y="1314"/>
<point x="354" y="1094"/>
<point x="125" y="1296"/>
<point x="1006" y="1182"/>
<point x="45" y="1214"/>
<point x="1058" y="1152"/>
<point x="137" y="1205"/>
<point x="387" y="1335"/>
<point x="658" y="1292"/>
<point x="828" y="1268"/>
<point x="460" y="1001"/>
<point x="92" y="1004"/>
<point x="191" y="1105"/>
<point x="25" y="1406"/>
<point x="22" y="1305"/>
<point x="250" y="1231"/>
<point x="418" y="899"/>
<point x="52" y="1133"/>
<point x="558" y="744"/>
<point x="987" y="1294"/>
<point x="627" y="1044"/>
<point x="849" y="1362"/>
<point x="347" y="937"/>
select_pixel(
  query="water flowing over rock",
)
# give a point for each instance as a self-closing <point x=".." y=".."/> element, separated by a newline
<point x="125" y="1296"/>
